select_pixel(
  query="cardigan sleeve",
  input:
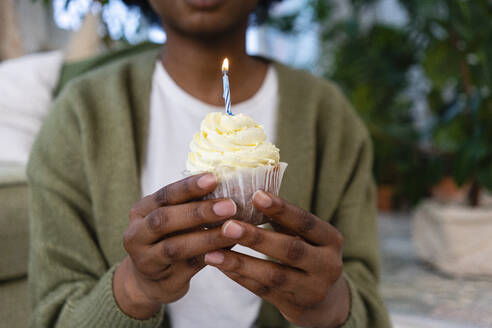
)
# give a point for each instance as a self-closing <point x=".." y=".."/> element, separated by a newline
<point x="345" y="168"/>
<point x="70" y="279"/>
<point x="356" y="219"/>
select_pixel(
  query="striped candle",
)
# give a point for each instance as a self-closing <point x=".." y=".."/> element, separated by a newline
<point x="225" y="82"/>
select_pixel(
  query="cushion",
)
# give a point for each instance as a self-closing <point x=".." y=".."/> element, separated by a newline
<point x="26" y="86"/>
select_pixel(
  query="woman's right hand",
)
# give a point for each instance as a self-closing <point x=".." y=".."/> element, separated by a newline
<point x="166" y="244"/>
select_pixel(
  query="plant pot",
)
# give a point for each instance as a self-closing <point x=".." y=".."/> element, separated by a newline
<point x="448" y="191"/>
<point x="385" y="197"/>
<point x="454" y="238"/>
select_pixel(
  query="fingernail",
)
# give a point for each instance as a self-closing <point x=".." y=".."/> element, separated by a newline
<point x="206" y="181"/>
<point x="262" y="199"/>
<point x="214" y="258"/>
<point x="232" y="230"/>
<point x="225" y="208"/>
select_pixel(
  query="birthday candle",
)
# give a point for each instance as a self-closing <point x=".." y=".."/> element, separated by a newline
<point x="225" y="82"/>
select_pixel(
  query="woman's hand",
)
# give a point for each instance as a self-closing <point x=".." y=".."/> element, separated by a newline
<point x="307" y="285"/>
<point x="166" y="244"/>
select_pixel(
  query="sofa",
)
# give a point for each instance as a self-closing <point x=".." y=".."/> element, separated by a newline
<point x="14" y="245"/>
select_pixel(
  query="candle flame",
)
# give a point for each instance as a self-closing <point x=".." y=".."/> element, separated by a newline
<point x="225" y="65"/>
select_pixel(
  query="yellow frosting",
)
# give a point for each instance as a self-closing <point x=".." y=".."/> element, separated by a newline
<point x="231" y="141"/>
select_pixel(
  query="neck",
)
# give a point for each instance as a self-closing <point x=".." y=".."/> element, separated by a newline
<point x="195" y="65"/>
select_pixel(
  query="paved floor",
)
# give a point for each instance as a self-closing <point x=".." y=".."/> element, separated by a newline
<point x="417" y="295"/>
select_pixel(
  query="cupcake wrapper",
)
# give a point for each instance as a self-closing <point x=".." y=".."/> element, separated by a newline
<point x="241" y="184"/>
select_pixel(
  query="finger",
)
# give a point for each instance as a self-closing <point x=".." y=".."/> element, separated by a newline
<point x="269" y="294"/>
<point x="178" y="272"/>
<point x="170" y="219"/>
<point x="292" y="305"/>
<point x="280" y="228"/>
<point x="288" y="249"/>
<point x="186" y="246"/>
<point x="172" y="283"/>
<point x="265" y="272"/>
<point x="182" y="191"/>
<point x="297" y="219"/>
<point x="185" y="270"/>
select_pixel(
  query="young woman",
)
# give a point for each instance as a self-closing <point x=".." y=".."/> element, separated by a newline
<point x="122" y="131"/>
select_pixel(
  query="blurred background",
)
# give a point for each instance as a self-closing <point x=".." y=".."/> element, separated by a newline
<point x="419" y="72"/>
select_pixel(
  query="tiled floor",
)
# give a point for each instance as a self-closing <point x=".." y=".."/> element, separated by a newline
<point x="417" y="295"/>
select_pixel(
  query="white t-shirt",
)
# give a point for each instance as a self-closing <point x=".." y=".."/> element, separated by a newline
<point x="213" y="300"/>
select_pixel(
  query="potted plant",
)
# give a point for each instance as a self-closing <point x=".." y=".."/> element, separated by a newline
<point x="455" y="235"/>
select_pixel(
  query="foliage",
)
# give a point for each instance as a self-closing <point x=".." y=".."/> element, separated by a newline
<point x="372" y="65"/>
<point x="457" y="58"/>
<point x="449" y="40"/>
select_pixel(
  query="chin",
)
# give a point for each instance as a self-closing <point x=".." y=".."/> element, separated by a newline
<point x="208" y="25"/>
<point x="204" y="18"/>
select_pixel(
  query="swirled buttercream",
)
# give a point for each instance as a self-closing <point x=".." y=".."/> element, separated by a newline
<point x="230" y="141"/>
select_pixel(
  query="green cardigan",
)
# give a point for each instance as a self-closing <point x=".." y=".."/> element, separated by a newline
<point x="84" y="174"/>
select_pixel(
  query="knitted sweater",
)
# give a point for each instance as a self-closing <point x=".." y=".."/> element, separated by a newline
<point x="84" y="176"/>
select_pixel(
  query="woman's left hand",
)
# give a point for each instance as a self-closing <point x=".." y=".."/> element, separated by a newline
<point x="306" y="284"/>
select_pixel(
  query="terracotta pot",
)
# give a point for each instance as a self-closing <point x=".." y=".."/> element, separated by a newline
<point x="448" y="191"/>
<point x="385" y="197"/>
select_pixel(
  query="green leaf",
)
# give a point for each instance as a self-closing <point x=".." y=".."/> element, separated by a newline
<point x="442" y="63"/>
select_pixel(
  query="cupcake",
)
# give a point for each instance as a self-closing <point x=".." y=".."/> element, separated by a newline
<point x="234" y="148"/>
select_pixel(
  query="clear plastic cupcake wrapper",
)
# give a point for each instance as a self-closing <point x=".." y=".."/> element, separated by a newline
<point x="241" y="184"/>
